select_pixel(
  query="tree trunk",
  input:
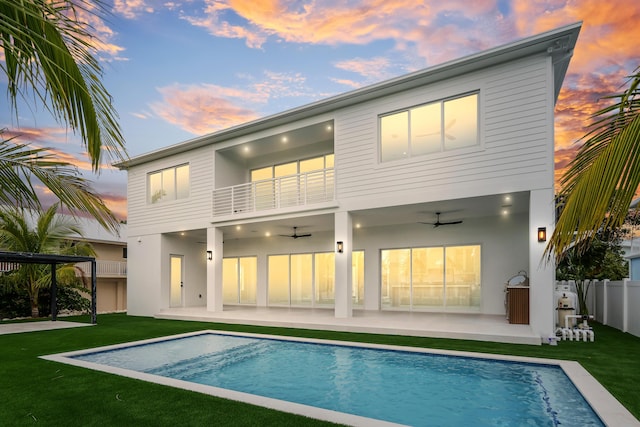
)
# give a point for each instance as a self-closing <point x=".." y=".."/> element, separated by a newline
<point x="35" y="311"/>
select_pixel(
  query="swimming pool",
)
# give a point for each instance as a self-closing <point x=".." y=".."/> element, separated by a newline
<point x="353" y="383"/>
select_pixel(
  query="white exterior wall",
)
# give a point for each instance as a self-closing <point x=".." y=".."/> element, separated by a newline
<point x="514" y="101"/>
<point x="174" y="215"/>
<point x="515" y="154"/>
<point x="144" y="275"/>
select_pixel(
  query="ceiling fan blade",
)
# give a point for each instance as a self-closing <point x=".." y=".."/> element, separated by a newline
<point x="295" y="234"/>
<point x="451" y="223"/>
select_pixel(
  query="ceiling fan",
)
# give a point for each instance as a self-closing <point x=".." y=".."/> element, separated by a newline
<point x="438" y="223"/>
<point x="295" y="234"/>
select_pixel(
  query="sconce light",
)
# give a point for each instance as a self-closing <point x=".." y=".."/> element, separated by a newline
<point x="340" y="247"/>
<point x="209" y="255"/>
<point x="542" y="234"/>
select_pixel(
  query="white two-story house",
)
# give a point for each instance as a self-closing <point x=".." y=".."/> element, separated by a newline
<point x="423" y="193"/>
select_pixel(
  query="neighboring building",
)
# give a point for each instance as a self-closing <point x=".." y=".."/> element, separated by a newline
<point x="325" y="205"/>
<point x="111" y="264"/>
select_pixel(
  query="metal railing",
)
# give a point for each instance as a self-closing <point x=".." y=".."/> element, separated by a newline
<point x="286" y="191"/>
<point x="105" y="268"/>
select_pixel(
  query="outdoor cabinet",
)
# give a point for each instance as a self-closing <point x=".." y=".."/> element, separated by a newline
<point x="518" y="304"/>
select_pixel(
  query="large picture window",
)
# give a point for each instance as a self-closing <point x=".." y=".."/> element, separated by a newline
<point x="309" y="279"/>
<point x="168" y="184"/>
<point x="431" y="128"/>
<point x="435" y="277"/>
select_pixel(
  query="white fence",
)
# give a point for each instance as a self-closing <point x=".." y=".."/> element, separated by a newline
<point x="615" y="303"/>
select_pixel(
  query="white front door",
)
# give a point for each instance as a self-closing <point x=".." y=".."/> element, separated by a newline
<point x="177" y="285"/>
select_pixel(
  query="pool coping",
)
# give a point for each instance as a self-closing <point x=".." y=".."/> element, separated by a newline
<point x="607" y="407"/>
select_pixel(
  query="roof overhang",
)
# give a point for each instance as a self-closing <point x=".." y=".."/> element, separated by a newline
<point x="558" y="44"/>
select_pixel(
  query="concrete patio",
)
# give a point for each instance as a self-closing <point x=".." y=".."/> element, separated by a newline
<point x="479" y="327"/>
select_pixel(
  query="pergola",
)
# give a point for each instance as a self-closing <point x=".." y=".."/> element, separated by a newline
<point x="53" y="260"/>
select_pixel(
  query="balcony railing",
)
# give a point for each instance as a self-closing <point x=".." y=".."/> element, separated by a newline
<point x="282" y="192"/>
<point x="105" y="268"/>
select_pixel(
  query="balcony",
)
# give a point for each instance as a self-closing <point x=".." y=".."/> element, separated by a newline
<point x="283" y="192"/>
<point x="104" y="268"/>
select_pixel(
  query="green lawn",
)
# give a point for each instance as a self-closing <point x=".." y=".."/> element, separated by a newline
<point x="38" y="392"/>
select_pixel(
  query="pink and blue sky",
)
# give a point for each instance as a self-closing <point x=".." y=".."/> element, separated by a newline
<point x="183" y="68"/>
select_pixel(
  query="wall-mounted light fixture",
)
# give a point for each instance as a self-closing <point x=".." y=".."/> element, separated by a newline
<point x="340" y="247"/>
<point x="542" y="234"/>
<point x="209" y="255"/>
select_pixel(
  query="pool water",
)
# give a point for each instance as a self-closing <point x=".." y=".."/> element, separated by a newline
<point x="411" y="388"/>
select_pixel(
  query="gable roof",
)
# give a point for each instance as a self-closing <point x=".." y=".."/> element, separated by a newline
<point x="558" y="43"/>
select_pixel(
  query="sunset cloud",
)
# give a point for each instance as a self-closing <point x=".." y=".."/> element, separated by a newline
<point x="57" y="142"/>
<point x="336" y="22"/>
<point x="374" y="69"/>
<point x="202" y="109"/>
<point x="131" y="9"/>
<point x="206" y="108"/>
<point x="103" y="41"/>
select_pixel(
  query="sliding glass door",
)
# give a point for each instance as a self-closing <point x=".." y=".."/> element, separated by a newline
<point x="433" y="277"/>
<point x="239" y="280"/>
<point x="308" y="279"/>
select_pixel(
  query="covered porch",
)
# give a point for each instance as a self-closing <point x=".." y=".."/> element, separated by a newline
<point x="477" y="327"/>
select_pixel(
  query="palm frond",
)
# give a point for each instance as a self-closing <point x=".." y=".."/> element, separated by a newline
<point x="19" y="164"/>
<point x="48" y="54"/>
<point x="602" y="179"/>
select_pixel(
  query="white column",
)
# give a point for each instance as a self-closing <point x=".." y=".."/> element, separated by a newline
<point x="343" y="282"/>
<point x="214" y="270"/>
<point x="541" y="270"/>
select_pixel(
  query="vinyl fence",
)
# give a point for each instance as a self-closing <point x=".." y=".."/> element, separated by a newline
<point x="615" y="303"/>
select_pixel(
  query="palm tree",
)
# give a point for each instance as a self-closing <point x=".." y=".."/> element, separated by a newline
<point x="602" y="179"/>
<point x="48" y="57"/>
<point x="47" y="236"/>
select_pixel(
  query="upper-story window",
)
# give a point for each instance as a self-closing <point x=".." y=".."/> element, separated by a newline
<point x="293" y="168"/>
<point x="168" y="184"/>
<point x="430" y="128"/>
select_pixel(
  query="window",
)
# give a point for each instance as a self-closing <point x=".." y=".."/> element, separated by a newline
<point x="431" y="128"/>
<point x="169" y="184"/>
<point x="287" y="184"/>
<point x="309" y="279"/>
<point x="239" y="280"/>
<point x="293" y="168"/>
<point x="431" y="277"/>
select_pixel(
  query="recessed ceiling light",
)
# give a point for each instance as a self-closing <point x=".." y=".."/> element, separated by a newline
<point x="329" y="127"/>
<point x="267" y="234"/>
<point x="238" y="227"/>
<point x="285" y="139"/>
<point x="358" y="225"/>
<point x="505" y="212"/>
<point x="507" y="198"/>
<point x="246" y="149"/>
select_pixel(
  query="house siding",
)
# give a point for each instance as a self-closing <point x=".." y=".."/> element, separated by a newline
<point x="173" y="215"/>
<point x="514" y="107"/>
<point x="515" y="101"/>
